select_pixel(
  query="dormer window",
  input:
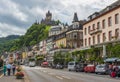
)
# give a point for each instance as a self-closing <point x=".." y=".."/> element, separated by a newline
<point x="108" y="8"/>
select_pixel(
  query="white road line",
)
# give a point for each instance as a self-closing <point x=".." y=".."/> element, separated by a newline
<point x="66" y="77"/>
<point x="44" y="71"/>
<point x="51" y="73"/>
<point x="59" y="77"/>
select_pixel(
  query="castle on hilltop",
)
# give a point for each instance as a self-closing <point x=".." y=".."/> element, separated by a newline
<point x="48" y="19"/>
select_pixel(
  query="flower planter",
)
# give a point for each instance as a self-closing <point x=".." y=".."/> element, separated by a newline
<point x="19" y="77"/>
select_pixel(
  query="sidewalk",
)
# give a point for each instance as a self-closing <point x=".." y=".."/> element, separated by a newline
<point x="10" y="79"/>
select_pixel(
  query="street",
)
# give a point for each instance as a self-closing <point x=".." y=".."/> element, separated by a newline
<point x="40" y="74"/>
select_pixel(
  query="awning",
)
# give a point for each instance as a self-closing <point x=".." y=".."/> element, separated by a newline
<point x="45" y="63"/>
<point x="118" y="60"/>
<point x="111" y="59"/>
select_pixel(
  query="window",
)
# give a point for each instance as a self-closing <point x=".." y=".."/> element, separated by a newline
<point x="70" y="36"/>
<point x="98" y="38"/>
<point x="75" y="45"/>
<point x="85" y="42"/>
<point x="98" y="25"/>
<point x="104" y="37"/>
<point x="110" y="35"/>
<point x="81" y="35"/>
<point x="85" y="31"/>
<point x="93" y="27"/>
<point x="103" y="24"/>
<point x="93" y="40"/>
<point x="89" y="29"/>
<point x="116" y="33"/>
<point x="109" y="21"/>
<point x="116" y="18"/>
<point x="74" y="35"/>
<point x="89" y="41"/>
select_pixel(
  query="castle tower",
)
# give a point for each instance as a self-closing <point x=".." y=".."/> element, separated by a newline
<point x="48" y="16"/>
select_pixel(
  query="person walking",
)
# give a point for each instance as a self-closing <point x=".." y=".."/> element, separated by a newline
<point x="13" y="68"/>
<point x="4" y="69"/>
<point x="9" y="69"/>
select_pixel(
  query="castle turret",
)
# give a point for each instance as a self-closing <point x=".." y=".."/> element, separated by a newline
<point x="75" y="18"/>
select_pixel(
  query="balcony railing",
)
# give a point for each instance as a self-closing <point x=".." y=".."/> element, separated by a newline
<point x="95" y="31"/>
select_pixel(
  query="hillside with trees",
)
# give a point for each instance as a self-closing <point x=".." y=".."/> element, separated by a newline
<point x="34" y="35"/>
<point x="7" y="42"/>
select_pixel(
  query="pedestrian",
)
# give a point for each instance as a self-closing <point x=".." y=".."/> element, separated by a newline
<point x="13" y="68"/>
<point x="4" y="69"/>
<point x="117" y="71"/>
<point x="113" y="74"/>
<point x="9" y="69"/>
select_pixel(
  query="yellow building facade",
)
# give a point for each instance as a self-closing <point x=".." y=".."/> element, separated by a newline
<point x="60" y="41"/>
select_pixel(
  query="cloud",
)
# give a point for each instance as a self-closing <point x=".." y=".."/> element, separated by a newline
<point x="6" y="29"/>
<point x="8" y="7"/>
<point x="20" y="14"/>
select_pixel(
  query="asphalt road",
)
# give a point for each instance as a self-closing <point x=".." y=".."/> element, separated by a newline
<point x="38" y="74"/>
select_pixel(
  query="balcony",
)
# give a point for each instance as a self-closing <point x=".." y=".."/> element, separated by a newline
<point x="95" y="31"/>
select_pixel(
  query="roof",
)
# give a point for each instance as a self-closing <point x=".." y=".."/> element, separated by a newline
<point x="75" y="18"/>
<point x="106" y="10"/>
<point x="55" y="28"/>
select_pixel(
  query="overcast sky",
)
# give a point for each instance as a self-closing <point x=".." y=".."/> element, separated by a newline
<point x="16" y="16"/>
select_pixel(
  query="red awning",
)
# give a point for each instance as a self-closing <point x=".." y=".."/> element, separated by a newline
<point x="45" y="63"/>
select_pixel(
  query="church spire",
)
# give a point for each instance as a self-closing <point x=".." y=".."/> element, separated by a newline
<point x="75" y="18"/>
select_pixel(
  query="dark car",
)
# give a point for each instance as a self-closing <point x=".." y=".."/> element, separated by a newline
<point x="80" y="67"/>
<point x="59" y="66"/>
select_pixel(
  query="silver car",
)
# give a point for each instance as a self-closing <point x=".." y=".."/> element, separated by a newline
<point x="101" y="69"/>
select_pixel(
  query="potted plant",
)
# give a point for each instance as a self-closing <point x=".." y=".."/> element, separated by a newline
<point x="19" y="74"/>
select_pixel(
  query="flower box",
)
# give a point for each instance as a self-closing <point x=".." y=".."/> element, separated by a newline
<point x="19" y="75"/>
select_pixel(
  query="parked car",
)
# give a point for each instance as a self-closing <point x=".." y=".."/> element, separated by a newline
<point x="32" y="63"/>
<point x="72" y="65"/>
<point x="44" y="64"/>
<point x="89" y="68"/>
<point x="103" y="69"/>
<point x="80" y="67"/>
<point x="59" y="66"/>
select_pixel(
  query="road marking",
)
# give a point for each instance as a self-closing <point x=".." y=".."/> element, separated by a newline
<point x="44" y="71"/>
<point x="59" y="77"/>
<point x="66" y="77"/>
<point x="1" y="76"/>
<point x="51" y="73"/>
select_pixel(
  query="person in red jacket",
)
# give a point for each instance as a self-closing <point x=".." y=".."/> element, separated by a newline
<point x="113" y="74"/>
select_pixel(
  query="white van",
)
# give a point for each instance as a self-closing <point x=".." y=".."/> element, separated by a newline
<point x="71" y="65"/>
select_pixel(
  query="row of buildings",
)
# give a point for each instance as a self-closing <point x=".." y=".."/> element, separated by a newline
<point x="99" y="29"/>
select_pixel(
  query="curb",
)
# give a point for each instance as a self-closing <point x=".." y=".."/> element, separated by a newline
<point x="26" y="78"/>
<point x="1" y="76"/>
